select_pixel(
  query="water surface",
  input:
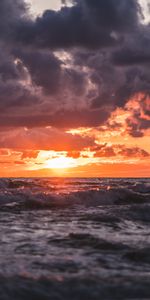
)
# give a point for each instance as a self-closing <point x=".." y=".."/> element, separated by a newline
<point x="74" y="239"/>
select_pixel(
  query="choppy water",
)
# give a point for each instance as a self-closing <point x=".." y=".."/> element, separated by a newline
<point x="86" y="239"/>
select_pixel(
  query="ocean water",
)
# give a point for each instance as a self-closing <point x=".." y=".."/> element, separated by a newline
<point x="80" y="239"/>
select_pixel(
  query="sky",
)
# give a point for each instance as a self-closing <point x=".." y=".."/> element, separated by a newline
<point x="75" y="88"/>
<point x="38" y="6"/>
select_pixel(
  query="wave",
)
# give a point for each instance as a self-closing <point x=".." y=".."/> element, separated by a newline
<point x="28" y="199"/>
<point x="86" y="240"/>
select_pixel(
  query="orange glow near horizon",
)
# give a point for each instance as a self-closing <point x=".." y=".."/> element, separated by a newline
<point x="51" y="163"/>
<point x="60" y="163"/>
<point x="85" y="152"/>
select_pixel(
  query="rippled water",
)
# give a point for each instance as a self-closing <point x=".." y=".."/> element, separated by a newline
<point x="74" y="239"/>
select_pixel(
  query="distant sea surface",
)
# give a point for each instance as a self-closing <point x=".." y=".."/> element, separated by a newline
<point x="74" y="239"/>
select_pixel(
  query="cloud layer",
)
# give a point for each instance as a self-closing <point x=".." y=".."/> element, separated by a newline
<point x="72" y="68"/>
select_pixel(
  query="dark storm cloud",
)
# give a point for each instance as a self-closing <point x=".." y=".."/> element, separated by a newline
<point x="13" y="92"/>
<point x="8" y="69"/>
<point x="44" y="68"/>
<point x="104" y="69"/>
<point x="61" y="119"/>
<point x="55" y="31"/>
<point x="136" y="50"/>
<point x="113" y="86"/>
<point x="87" y="23"/>
<point x="11" y="12"/>
<point x="13" y="95"/>
<point x="130" y="57"/>
<point x="48" y="72"/>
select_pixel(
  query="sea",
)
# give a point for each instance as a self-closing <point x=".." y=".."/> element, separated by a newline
<point x="74" y="238"/>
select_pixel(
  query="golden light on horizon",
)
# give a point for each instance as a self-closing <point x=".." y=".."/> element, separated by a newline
<point x="60" y="163"/>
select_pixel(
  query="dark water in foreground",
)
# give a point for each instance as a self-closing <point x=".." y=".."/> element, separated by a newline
<point x="80" y="239"/>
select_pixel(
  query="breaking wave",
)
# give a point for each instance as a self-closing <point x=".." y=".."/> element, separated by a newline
<point x="55" y="193"/>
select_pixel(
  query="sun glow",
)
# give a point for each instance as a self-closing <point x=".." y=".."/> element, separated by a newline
<point x="60" y="163"/>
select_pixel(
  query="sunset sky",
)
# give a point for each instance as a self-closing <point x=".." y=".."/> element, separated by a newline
<point x="75" y="88"/>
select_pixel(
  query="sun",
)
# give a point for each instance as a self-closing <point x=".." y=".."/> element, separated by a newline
<point x="60" y="163"/>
